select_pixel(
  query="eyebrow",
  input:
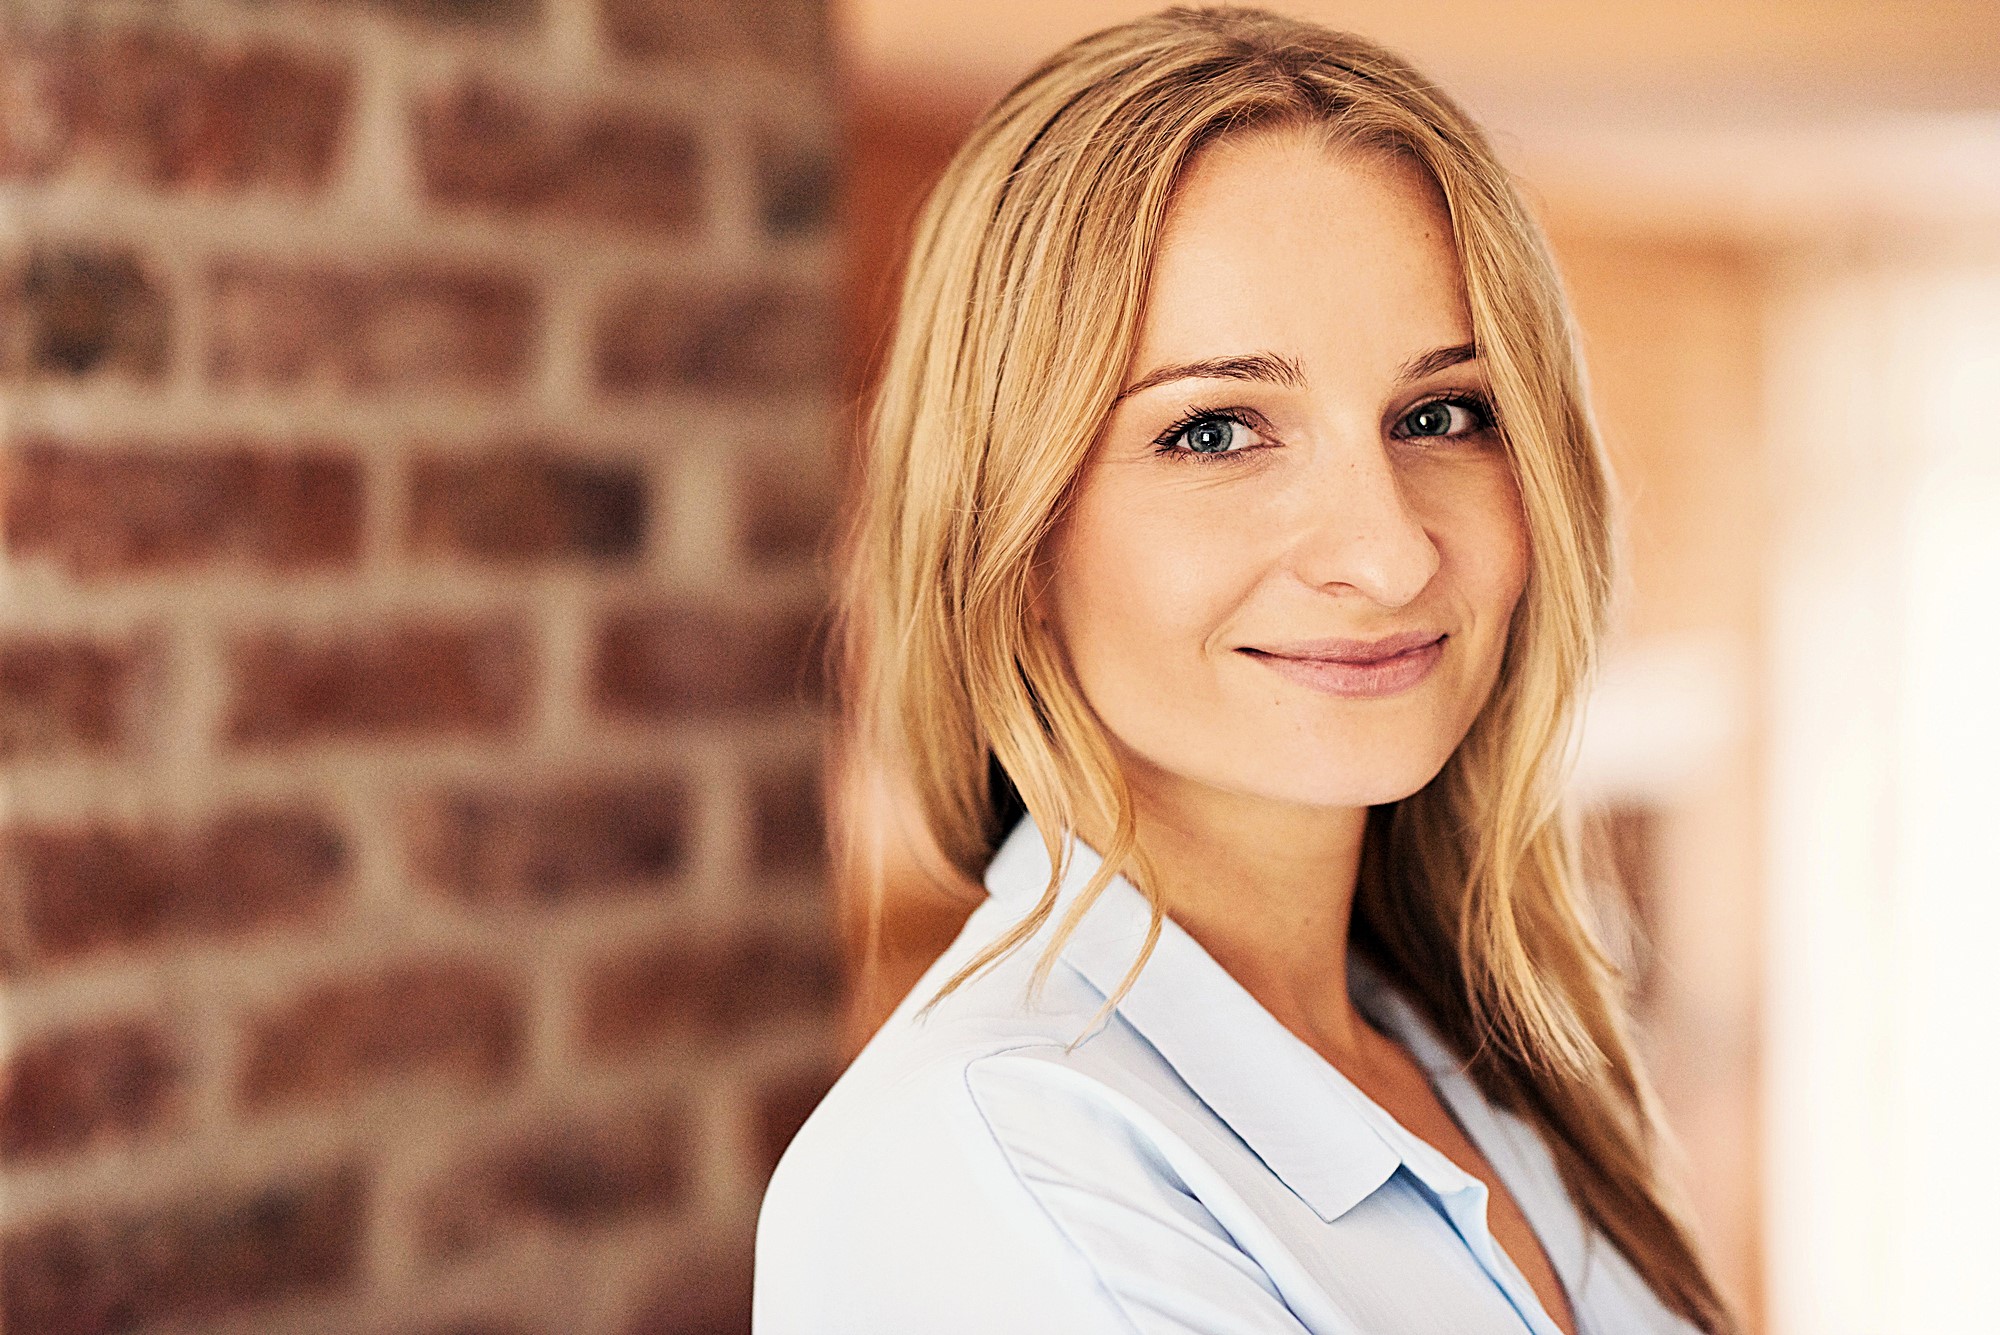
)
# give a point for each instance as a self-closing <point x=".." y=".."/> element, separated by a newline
<point x="1281" y="370"/>
<point x="1437" y="360"/>
<point x="1256" y="366"/>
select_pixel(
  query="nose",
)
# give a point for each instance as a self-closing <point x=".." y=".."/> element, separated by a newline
<point x="1356" y="529"/>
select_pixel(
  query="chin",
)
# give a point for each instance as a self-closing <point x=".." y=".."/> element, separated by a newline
<point x="1329" y="762"/>
<point x="1352" y="767"/>
<point x="1285" y="773"/>
<point x="1346" y="786"/>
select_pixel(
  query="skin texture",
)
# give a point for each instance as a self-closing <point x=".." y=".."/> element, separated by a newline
<point x="1347" y="503"/>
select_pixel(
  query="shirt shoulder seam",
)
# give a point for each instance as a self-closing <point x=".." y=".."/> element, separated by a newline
<point x="1097" y="1275"/>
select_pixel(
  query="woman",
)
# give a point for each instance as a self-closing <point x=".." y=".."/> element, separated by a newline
<point x="1230" y="553"/>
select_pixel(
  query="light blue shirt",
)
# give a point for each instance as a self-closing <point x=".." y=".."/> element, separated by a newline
<point x="1192" y="1166"/>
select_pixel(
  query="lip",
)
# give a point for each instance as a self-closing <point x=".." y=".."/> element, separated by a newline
<point x="1355" y="669"/>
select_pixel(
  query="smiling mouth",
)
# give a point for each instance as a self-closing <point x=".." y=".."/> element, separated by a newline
<point x="1356" y="669"/>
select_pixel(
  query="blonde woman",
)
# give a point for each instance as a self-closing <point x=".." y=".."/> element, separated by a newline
<point x="1229" y="556"/>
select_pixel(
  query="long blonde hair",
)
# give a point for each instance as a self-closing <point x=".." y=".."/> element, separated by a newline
<point x="1019" y="313"/>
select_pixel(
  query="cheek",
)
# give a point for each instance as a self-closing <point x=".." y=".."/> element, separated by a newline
<point x="1511" y="541"/>
<point x="1137" y="586"/>
<point x="1483" y="534"/>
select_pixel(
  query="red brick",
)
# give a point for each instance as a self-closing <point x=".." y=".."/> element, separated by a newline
<point x="402" y="325"/>
<point x="162" y="109"/>
<point x="446" y="1020"/>
<point x="579" y="1173"/>
<point x="400" y="680"/>
<point x="670" y="662"/>
<point x="785" y="514"/>
<point x="97" y="511"/>
<point x="788" y="820"/>
<point x="75" y="309"/>
<point x="526" y="501"/>
<point x="709" y="1297"/>
<point x="87" y="1085"/>
<point x="72" y="695"/>
<point x="85" y="888"/>
<point x="750" y="338"/>
<point x="781" y="1108"/>
<point x="467" y="14"/>
<point x="209" y="1254"/>
<point x="554" y="844"/>
<point x="480" y="148"/>
<point x="786" y="34"/>
<point x="717" y="990"/>
<point x="797" y="182"/>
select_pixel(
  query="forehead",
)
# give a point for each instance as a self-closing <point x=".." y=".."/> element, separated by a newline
<point x="1277" y="242"/>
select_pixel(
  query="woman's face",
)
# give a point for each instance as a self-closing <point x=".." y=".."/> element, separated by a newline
<point x="1288" y="567"/>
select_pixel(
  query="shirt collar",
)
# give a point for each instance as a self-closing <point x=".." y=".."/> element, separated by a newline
<point x="1329" y="1143"/>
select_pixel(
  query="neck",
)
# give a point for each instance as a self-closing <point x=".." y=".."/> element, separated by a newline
<point x="1267" y="889"/>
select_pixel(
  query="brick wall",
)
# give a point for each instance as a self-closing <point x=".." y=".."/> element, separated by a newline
<point x="416" y="422"/>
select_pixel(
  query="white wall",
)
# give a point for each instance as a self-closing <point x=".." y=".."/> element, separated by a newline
<point x="1884" y="698"/>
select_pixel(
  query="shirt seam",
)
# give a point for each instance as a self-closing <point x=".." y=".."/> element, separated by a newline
<point x="1097" y="1275"/>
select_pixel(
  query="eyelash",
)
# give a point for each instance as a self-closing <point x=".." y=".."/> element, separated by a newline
<point x="1163" y="443"/>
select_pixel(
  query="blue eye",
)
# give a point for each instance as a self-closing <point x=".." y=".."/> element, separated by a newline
<point x="1211" y="435"/>
<point x="1208" y="434"/>
<point x="1445" y="417"/>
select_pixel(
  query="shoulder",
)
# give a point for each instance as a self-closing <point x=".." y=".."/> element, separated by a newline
<point x="897" y="1203"/>
<point x="968" y="1120"/>
<point x="987" y="1069"/>
<point x="965" y="1171"/>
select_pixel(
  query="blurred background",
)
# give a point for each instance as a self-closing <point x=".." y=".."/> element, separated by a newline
<point x="422" y="420"/>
